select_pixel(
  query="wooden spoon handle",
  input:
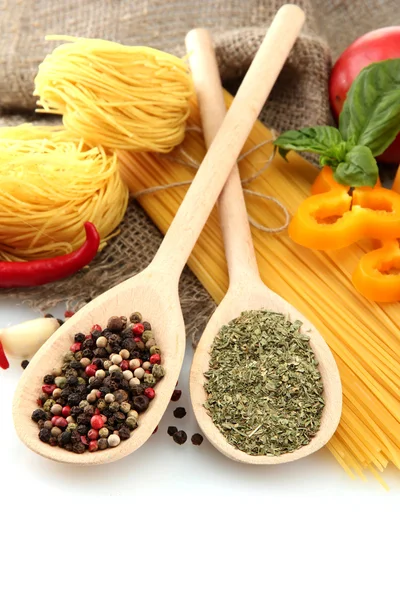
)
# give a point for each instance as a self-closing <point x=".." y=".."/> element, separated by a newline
<point x="235" y="227"/>
<point x="227" y="144"/>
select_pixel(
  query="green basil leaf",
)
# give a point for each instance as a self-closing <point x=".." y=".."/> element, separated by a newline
<point x="320" y="140"/>
<point x="371" y="112"/>
<point x="359" y="168"/>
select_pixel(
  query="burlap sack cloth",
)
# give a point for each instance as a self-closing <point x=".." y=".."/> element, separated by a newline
<point x="299" y="97"/>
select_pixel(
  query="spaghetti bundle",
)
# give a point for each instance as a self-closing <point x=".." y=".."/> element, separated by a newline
<point x="50" y="185"/>
<point x="121" y="97"/>
<point x="364" y="336"/>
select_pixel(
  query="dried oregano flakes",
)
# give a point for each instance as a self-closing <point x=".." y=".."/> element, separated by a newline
<point x="264" y="388"/>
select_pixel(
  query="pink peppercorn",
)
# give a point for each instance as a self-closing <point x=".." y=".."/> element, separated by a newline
<point x="96" y="328"/>
<point x="138" y="329"/>
<point x="150" y="393"/>
<point x="137" y="339"/>
<point x="66" y="411"/>
<point x="93" y="434"/>
<point x="68" y="314"/>
<point x="155" y="358"/>
<point x="48" y="389"/>
<point x="76" y="346"/>
<point x="124" y="365"/>
<point x="97" y="422"/>
<point x="54" y="419"/>
<point x="91" y="370"/>
<point x="96" y="411"/>
<point x="98" y="393"/>
<point x="104" y="418"/>
<point x="84" y="440"/>
<point x="147" y="371"/>
<point x="61" y="422"/>
<point x="39" y="402"/>
<point x="93" y="446"/>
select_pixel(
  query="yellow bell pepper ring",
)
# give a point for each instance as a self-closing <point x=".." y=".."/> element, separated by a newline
<point x="377" y="275"/>
<point x="336" y="219"/>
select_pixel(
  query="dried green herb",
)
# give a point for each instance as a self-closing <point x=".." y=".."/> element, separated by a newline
<point x="263" y="384"/>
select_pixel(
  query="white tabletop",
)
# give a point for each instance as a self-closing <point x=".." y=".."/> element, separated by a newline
<point x="196" y="492"/>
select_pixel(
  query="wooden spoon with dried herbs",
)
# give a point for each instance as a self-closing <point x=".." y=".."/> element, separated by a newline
<point x="264" y="385"/>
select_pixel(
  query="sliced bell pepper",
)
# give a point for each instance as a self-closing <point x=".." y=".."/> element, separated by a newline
<point x="377" y="275"/>
<point x="338" y="218"/>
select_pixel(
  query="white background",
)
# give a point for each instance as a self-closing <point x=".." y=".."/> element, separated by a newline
<point x="175" y="521"/>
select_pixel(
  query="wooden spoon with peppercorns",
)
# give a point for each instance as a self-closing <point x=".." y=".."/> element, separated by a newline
<point x="154" y="291"/>
<point x="246" y="290"/>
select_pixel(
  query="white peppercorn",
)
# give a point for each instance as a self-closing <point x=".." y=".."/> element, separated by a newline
<point x="134" y="363"/>
<point x="114" y="368"/>
<point x="124" y="354"/>
<point x="134" y="381"/>
<point x="100" y="373"/>
<point x="56" y="409"/>
<point x="101" y="342"/>
<point x="127" y="375"/>
<point x="146" y="365"/>
<point x="113" y="440"/>
<point x="116" y="359"/>
<point x="138" y="373"/>
<point x="109" y="398"/>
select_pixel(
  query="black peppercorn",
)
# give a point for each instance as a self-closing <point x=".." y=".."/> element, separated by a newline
<point x="197" y="439"/>
<point x="82" y="429"/>
<point x="135" y="317"/>
<point x="101" y="353"/>
<point x="135" y="353"/>
<point x="79" y="337"/>
<point x="120" y="396"/>
<point x="179" y="412"/>
<point x="104" y="390"/>
<point x="98" y="363"/>
<point x="68" y="447"/>
<point x="124" y="432"/>
<point x="120" y="416"/>
<point x="72" y="380"/>
<point x="53" y="441"/>
<point x="106" y="332"/>
<point x="78" y="448"/>
<point x="115" y="324"/>
<point x="89" y="344"/>
<point x="179" y="437"/>
<point x="130" y="345"/>
<point x="95" y="335"/>
<point x="172" y="430"/>
<point x="76" y="411"/>
<point x="146" y="325"/>
<point x="65" y="438"/>
<point x="44" y="435"/>
<point x="140" y="403"/>
<point x="48" y="379"/>
<point x="176" y="394"/>
<point x="106" y="412"/>
<point x="75" y="437"/>
<point x="71" y="372"/>
<point x="38" y="415"/>
<point x="102" y="444"/>
<point x="137" y="390"/>
<point x="89" y="410"/>
<point x="127" y="334"/>
<point x="76" y="365"/>
<point x="96" y="383"/>
<point x="74" y="399"/>
<point x="83" y="419"/>
<point x="87" y="353"/>
<point x="24" y="364"/>
<point x="112" y="422"/>
<point x="48" y="316"/>
<point x="60" y="322"/>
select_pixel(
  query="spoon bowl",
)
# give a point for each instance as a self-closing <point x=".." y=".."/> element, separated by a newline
<point x="149" y="293"/>
<point x="246" y="290"/>
<point x="252" y="294"/>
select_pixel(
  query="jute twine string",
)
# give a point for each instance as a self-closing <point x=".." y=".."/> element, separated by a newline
<point x="189" y="161"/>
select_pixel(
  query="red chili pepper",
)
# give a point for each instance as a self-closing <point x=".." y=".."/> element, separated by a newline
<point x="39" y="272"/>
<point x="4" y="364"/>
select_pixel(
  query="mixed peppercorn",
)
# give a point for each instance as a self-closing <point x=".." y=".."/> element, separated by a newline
<point x="93" y="401"/>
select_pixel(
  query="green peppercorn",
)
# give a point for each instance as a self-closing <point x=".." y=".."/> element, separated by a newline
<point x="133" y="413"/>
<point x="103" y="432"/>
<point x="71" y="427"/>
<point x="149" y="380"/>
<point x="155" y="350"/>
<point x="101" y="405"/>
<point x="68" y="356"/>
<point x="125" y="407"/>
<point x="135" y="317"/>
<point x="81" y="381"/>
<point x="83" y="404"/>
<point x="151" y="342"/>
<point x="147" y="335"/>
<point x="78" y="355"/>
<point x="131" y="422"/>
<point x="114" y="406"/>
<point x="102" y="444"/>
<point x="47" y="406"/>
<point x="158" y="371"/>
<point x="60" y="382"/>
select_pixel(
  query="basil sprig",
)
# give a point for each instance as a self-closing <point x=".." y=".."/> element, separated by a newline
<point x="368" y="124"/>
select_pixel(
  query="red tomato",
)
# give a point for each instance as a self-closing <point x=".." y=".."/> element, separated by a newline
<point x="371" y="47"/>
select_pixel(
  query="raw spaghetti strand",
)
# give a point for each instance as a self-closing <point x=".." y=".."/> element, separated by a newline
<point x="364" y="336"/>
<point x="51" y="184"/>
<point x="121" y="97"/>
